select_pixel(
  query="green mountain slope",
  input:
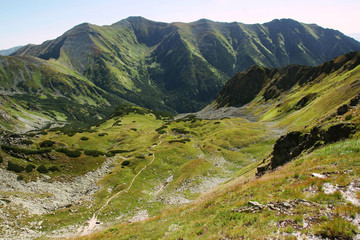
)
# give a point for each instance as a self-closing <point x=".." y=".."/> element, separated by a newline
<point x="139" y="174"/>
<point x="47" y="87"/>
<point x="181" y="66"/>
<point x="295" y="95"/>
<point x="312" y="190"/>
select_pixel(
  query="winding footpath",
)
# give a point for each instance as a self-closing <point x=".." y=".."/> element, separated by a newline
<point x="92" y="222"/>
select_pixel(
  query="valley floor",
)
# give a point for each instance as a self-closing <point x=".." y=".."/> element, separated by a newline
<point x="137" y="176"/>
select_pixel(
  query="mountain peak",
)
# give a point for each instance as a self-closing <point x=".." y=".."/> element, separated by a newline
<point x="137" y="18"/>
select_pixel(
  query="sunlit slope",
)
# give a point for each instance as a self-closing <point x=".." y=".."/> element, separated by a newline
<point x="311" y="196"/>
<point x="151" y="164"/>
<point x="297" y="96"/>
<point x="181" y="66"/>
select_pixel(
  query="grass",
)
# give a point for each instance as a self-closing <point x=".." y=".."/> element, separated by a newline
<point x="192" y="152"/>
<point x="210" y="216"/>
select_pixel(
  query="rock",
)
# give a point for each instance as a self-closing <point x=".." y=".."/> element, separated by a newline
<point x="338" y="132"/>
<point x="294" y="143"/>
<point x="355" y="101"/>
<point x="256" y="204"/>
<point x="318" y="175"/>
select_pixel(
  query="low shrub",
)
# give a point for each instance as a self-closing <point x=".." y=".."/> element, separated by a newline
<point x="26" y="142"/>
<point x="180" y="140"/>
<point x="1" y="159"/>
<point x="54" y="169"/>
<point x="42" y="169"/>
<point x="69" y="153"/>
<point x="94" y="153"/>
<point x="133" y="129"/>
<point x="161" y="130"/>
<point x="15" y="167"/>
<point x="25" y="150"/>
<point x="84" y="138"/>
<point x="20" y="178"/>
<point x="102" y="134"/>
<point x="125" y="163"/>
<point x="29" y="168"/>
<point x="47" y="144"/>
<point x="180" y="131"/>
<point x="114" y="152"/>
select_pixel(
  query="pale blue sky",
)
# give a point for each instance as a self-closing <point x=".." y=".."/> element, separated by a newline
<point x="34" y="21"/>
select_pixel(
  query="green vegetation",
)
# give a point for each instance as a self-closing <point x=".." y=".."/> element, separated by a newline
<point x="165" y="67"/>
<point x="193" y="178"/>
<point x="14" y="167"/>
<point x="42" y="169"/>
<point x="29" y="168"/>
<point x="26" y="142"/>
<point x="70" y="153"/>
<point x="47" y="144"/>
<point x="54" y="169"/>
<point x="25" y="150"/>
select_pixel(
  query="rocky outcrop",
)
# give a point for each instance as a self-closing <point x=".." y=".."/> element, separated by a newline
<point x="293" y="144"/>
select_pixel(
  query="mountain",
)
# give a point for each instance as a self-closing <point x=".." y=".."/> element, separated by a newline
<point x="295" y="94"/>
<point x="179" y="67"/>
<point x="6" y="52"/>
<point x="291" y="171"/>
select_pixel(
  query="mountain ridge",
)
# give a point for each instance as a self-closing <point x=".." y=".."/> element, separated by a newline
<point x="175" y="67"/>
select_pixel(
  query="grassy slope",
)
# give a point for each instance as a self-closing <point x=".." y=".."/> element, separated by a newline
<point x="332" y="92"/>
<point x="39" y="87"/>
<point x="328" y="215"/>
<point x="211" y="216"/>
<point x="209" y="153"/>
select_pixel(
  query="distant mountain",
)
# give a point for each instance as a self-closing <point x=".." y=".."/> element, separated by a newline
<point x="356" y="36"/>
<point x="176" y="67"/>
<point x="9" y="51"/>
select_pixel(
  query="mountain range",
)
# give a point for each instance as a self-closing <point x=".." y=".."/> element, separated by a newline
<point x="175" y="67"/>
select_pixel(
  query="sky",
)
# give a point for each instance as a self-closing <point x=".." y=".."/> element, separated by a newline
<point x="35" y="21"/>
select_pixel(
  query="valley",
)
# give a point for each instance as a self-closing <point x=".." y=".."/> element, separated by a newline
<point x="84" y="74"/>
<point x="201" y="130"/>
<point x="169" y="163"/>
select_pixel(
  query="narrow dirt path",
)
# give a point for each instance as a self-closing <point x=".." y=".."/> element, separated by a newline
<point x="92" y="222"/>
